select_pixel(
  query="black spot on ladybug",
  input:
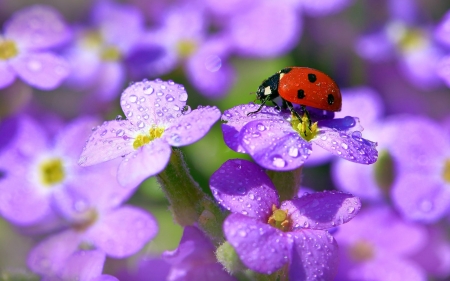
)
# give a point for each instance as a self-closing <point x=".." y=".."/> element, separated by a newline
<point x="330" y="99"/>
<point x="300" y="94"/>
<point x="312" y="77"/>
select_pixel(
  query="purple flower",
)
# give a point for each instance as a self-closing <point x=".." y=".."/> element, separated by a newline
<point x="37" y="168"/>
<point x="378" y="245"/>
<point x="25" y="48"/>
<point x="194" y="259"/>
<point x="268" y="234"/>
<point x="158" y="118"/>
<point x="96" y="219"/>
<point x="98" y="55"/>
<point x="442" y="34"/>
<point x="421" y="187"/>
<point x="182" y="34"/>
<point x="82" y="266"/>
<point x="323" y="8"/>
<point x="403" y="40"/>
<point x="147" y="266"/>
<point x="275" y="140"/>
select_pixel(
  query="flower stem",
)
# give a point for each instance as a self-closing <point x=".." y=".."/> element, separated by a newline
<point x="286" y="183"/>
<point x="188" y="203"/>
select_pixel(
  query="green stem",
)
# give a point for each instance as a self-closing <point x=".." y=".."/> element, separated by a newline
<point x="188" y="203"/>
<point x="286" y="183"/>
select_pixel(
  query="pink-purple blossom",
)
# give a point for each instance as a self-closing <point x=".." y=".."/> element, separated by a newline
<point x="267" y="234"/>
<point x="157" y="119"/>
<point x="26" y="48"/>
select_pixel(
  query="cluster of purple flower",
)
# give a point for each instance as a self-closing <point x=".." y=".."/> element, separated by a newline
<point x="73" y="191"/>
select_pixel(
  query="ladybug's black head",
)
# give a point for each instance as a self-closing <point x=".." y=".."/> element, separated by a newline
<point x="261" y="93"/>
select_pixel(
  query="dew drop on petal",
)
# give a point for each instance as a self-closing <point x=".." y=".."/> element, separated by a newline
<point x="260" y="127"/>
<point x="183" y="96"/>
<point x="118" y="117"/>
<point x="278" y="161"/>
<point x="132" y="98"/>
<point x="148" y="90"/>
<point x="141" y="124"/>
<point x="351" y="210"/>
<point x="186" y="109"/>
<point x="293" y="151"/>
<point x="169" y="98"/>
<point x="344" y="145"/>
<point x="34" y="65"/>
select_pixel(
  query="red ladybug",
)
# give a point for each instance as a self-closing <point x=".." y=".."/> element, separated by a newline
<point x="300" y="85"/>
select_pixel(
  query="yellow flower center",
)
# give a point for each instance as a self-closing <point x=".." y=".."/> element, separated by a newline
<point x="303" y="127"/>
<point x="8" y="49"/>
<point x="279" y="219"/>
<point x="406" y="38"/>
<point x="361" y="251"/>
<point x="384" y="171"/>
<point x="186" y="48"/>
<point x="52" y="172"/>
<point x="153" y="133"/>
<point x="446" y="172"/>
<point x="111" y="53"/>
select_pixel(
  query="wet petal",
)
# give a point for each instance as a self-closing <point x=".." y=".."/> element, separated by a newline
<point x="322" y="210"/>
<point x="420" y="198"/>
<point x="124" y="231"/>
<point x="145" y="162"/>
<point x="348" y="146"/>
<point x="110" y="140"/>
<point x="315" y="256"/>
<point x="243" y="187"/>
<point x="37" y="27"/>
<point x="51" y="254"/>
<point x="153" y="103"/>
<point x="7" y="74"/>
<point x="45" y="71"/>
<point x="83" y="266"/>
<point x="260" y="247"/>
<point x="236" y="117"/>
<point x="274" y="144"/>
<point x="191" y="127"/>
<point x="323" y="8"/>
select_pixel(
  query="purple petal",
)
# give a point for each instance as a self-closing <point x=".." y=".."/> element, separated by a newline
<point x="51" y="254"/>
<point x="384" y="269"/>
<point x="124" y="231"/>
<point x="37" y="27"/>
<point x="315" y="256"/>
<point x="104" y="277"/>
<point x="362" y="101"/>
<point x="376" y="47"/>
<point x="261" y="247"/>
<point x="45" y="71"/>
<point x="237" y="117"/>
<point x="348" y="146"/>
<point x="323" y="8"/>
<point x="255" y="37"/>
<point x="110" y="140"/>
<point x="194" y="248"/>
<point x="153" y="103"/>
<point x="243" y="187"/>
<point x="109" y="80"/>
<point x="356" y="179"/>
<point x="145" y="162"/>
<point x="120" y="24"/>
<point x="83" y="266"/>
<point x="7" y="74"/>
<point x="191" y="127"/>
<point x="346" y="125"/>
<point x="443" y="70"/>
<point x="22" y="202"/>
<point x="274" y="145"/>
<point x="442" y="31"/>
<point x="71" y="139"/>
<point x="420" y="198"/>
<point x="322" y="210"/>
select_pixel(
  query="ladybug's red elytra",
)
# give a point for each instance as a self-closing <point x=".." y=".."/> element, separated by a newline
<point x="300" y="85"/>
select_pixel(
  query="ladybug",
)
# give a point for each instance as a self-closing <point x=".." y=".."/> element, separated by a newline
<point x="300" y="85"/>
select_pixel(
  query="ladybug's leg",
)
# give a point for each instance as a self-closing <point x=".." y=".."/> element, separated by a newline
<point x="263" y="102"/>
<point x="307" y="114"/>
<point x="292" y="110"/>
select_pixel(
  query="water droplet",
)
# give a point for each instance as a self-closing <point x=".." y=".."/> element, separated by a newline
<point x="251" y="196"/>
<point x="141" y="124"/>
<point x="213" y="63"/>
<point x="183" y="96"/>
<point x="34" y="65"/>
<point x="148" y="90"/>
<point x="186" y="109"/>
<point x="103" y="133"/>
<point x="293" y="151"/>
<point x="278" y="161"/>
<point x="169" y="98"/>
<point x="132" y="98"/>
<point x="118" y="117"/>
<point x="260" y="127"/>
<point x="344" y="145"/>
<point x="242" y="233"/>
<point x="356" y="134"/>
<point x="350" y="210"/>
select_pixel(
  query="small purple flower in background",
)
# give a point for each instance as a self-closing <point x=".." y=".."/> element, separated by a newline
<point x="96" y="219"/>
<point x="410" y="44"/>
<point x="157" y="118"/>
<point x="378" y="245"/>
<point x="322" y="8"/>
<point x="147" y="266"/>
<point x="442" y="34"/>
<point x="194" y="259"/>
<point x="275" y="141"/>
<point x="268" y="234"/>
<point x="25" y="48"/>
<point x="36" y="168"/>
<point x="82" y="266"/>
<point x="98" y="54"/>
<point x="421" y="190"/>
